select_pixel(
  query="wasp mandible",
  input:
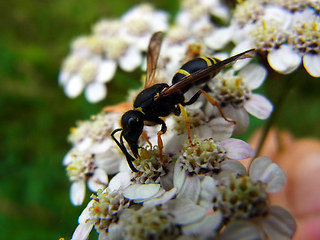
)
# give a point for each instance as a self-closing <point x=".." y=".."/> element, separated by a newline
<point x="158" y="100"/>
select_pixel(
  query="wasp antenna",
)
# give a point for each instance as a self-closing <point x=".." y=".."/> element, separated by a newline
<point x="248" y="54"/>
<point x="120" y="144"/>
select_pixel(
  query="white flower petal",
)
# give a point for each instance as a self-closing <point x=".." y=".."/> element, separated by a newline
<point x="241" y="230"/>
<point x="208" y="192"/>
<point x="120" y="181"/>
<point x="232" y="166"/>
<point x="241" y="47"/>
<point x="279" y="224"/>
<point x="237" y="149"/>
<point x="277" y="15"/>
<point x="239" y="115"/>
<point x="77" y="192"/>
<point x="63" y="77"/>
<point x="161" y="199"/>
<point x="104" y="235"/>
<point x="67" y="158"/>
<point x="141" y="191"/>
<point x="100" y="147"/>
<point x="284" y="60"/>
<point x="82" y="231"/>
<point x="253" y="75"/>
<point x="74" y="86"/>
<point x="219" y="38"/>
<point x="190" y="188"/>
<point x="264" y="170"/>
<point x="131" y="60"/>
<point x="115" y="231"/>
<point x="259" y="106"/>
<point x="185" y="211"/>
<point x="204" y="227"/>
<point x="311" y="63"/>
<point x="221" y="129"/>
<point x="95" y="92"/>
<point x="106" y="71"/>
<point x="84" y="144"/>
<point x="109" y="161"/>
<point x="85" y="215"/>
<point x="99" y="180"/>
<point x="179" y="175"/>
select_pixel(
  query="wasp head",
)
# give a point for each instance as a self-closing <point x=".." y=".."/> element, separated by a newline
<point x="132" y="125"/>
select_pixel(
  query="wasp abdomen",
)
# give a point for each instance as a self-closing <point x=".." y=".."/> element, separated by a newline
<point x="191" y="67"/>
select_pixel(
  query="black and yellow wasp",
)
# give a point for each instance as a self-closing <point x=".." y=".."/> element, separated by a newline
<point x="158" y="100"/>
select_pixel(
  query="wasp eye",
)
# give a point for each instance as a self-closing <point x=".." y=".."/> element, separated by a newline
<point x="133" y="122"/>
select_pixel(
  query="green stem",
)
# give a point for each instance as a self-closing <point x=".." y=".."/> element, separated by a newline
<point x="288" y="82"/>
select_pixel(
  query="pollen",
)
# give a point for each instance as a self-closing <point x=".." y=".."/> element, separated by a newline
<point x="242" y="198"/>
<point x="203" y="156"/>
<point x="247" y="12"/>
<point x="230" y="89"/>
<point x="268" y="36"/>
<point x="149" y="165"/>
<point x="305" y="37"/>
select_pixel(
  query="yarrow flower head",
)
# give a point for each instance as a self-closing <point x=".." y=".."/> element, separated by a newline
<point x="189" y="181"/>
<point x="233" y="91"/>
<point x="245" y="197"/>
<point x="92" y="155"/>
<point x="94" y="58"/>
<point x="285" y="31"/>
<point x="101" y="211"/>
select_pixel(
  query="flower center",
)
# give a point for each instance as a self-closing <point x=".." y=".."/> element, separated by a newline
<point x="105" y="207"/>
<point x="242" y="199"/>
<point x="148" y="223"/>
<point x="268" y="36"/>
<point x="306" y="37"/>
<point x="149" y="165"/>
<point x="204" y="156"/>
<point x="82" y="165"/>
<point x="230" y="89"/>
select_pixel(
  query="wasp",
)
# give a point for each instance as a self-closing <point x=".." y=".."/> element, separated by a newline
<point x="158" y="100"/>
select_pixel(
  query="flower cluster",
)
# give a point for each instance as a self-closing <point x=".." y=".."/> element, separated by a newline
<point x="94" y="58"/>
<point x="193" y="188"/>
<point x="287" y="32"/>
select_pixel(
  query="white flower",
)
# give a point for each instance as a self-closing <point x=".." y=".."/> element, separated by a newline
<point x="94" y="59"/>
<point x="93" y="155"/>
<point x="81" y="168"/>
<point x="287" y="32"/>
<point x="233" y="92"/>
<point x="210" y="157"/>
<point x="140" y="22"/>
<point x="245" y="198"/>
<point x="100" y="212"/>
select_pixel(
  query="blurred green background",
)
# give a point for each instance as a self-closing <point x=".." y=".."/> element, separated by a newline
<point x="36" y="115"/>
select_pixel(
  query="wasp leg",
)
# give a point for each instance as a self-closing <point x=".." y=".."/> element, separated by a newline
<point x="186" y="121"/>
<point x="211" y="100"/>
<point x="145" y="137"/>
<point x="162" y="131"/>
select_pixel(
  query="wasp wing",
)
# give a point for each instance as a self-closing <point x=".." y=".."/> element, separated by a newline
<point x="210" y="70"/>
<point x="119" y="108"/>
<point x="152" y="57"/>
